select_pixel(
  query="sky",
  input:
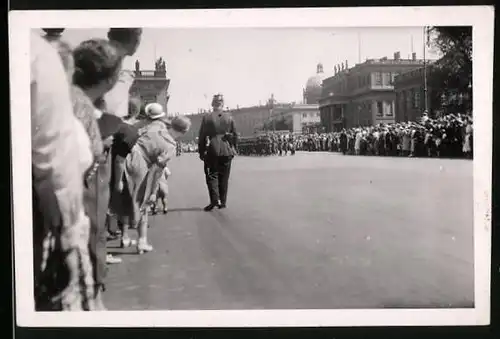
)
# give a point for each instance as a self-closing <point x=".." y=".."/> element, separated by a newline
<point x="247" y="65"/>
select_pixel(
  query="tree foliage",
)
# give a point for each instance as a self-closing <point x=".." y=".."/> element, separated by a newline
<point x="453" y="72"/>
<point x="282" y="124"/>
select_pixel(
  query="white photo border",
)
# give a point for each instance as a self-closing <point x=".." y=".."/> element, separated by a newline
<point x="481" y="18"/>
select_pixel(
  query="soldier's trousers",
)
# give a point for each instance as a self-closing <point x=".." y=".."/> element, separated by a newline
<point x="217" y="170"/>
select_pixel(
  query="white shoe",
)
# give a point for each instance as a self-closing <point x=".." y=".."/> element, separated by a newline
<point x="127" y="242"/>
<point x="143" y="247"/>
<point x="110" y="259"/>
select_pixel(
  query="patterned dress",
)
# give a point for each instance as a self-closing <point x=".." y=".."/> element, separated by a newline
<point x="144" y="166"/>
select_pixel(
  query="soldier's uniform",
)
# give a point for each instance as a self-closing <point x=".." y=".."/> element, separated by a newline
<point x="292" y="145"/>
<point x="216" y="145"/>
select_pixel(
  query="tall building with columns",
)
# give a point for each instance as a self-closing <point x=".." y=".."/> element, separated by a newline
<point x="363" y="95"/>
<point x="151" y="85"/>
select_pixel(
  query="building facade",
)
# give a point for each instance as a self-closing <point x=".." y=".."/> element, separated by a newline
<point x="409" y="88"/>
<point x="312" y="93"/>
<point x="248" y="120"/>
<point x="413" y="96"/>
<point x="296" y="118"/>
<point x="364" y="94"/>
<point x="151" y="85"/>
<point x="192" y="134"/>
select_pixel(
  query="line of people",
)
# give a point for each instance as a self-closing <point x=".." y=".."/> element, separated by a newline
<point x="268" y="144"/>
<point x="93" y="159"/>
<point x="450" y="136"/>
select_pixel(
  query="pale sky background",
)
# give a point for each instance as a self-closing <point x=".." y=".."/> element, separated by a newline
<point x="247" y="65"/>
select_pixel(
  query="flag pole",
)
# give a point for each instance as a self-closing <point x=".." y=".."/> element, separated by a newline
<point x="155" y="51"/>
<point x="425" y="68"/>
<point x="359" y="47"/>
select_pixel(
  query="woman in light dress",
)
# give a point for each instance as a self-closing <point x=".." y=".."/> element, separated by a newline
<point x="406" y="142"/>
<point x="467" y="147"/>
<point x="140" y="172"/>
<point x="357" y="141"/>
<point x="160" y="194"/>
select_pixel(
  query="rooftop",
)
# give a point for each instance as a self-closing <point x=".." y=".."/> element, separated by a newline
<point x="396" y="61"/>
<point x="414" y="72"/>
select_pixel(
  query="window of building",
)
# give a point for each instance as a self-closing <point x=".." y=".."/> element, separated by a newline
<point x="149" y="99"/>
<point x="393" y="77"/>
<point x="378" y="78"/>
<point x="390" y="108"/>
<point x="380" y="108"/>
<point x="416" y="98"/>
<point x="304" y="115"/>
<point x="386" y="79"/>
<point x="407" y="98"/>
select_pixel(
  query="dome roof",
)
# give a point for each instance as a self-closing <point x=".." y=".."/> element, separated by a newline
<point x="315" y="82"/>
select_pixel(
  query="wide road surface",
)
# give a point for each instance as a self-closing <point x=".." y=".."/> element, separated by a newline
<point x="316" y="230"/>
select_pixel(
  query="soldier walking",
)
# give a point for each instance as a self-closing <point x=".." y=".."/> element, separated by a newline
<point x="216" y="146"/>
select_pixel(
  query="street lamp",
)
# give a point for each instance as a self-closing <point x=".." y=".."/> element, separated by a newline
<point x="443" y="103"/>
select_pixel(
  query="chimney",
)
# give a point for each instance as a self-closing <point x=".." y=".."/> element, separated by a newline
<point x="414" y="56"/>
<point x="397" y="56"/>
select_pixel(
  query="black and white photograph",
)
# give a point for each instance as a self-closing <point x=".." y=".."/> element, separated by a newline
<point x="278" y="167"/>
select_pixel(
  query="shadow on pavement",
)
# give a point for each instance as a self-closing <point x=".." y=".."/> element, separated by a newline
<point x="120" y="253"/>
<point x="188" y="209"/>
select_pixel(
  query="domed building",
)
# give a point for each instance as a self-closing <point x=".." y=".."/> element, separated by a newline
<point x="312" y="92"/>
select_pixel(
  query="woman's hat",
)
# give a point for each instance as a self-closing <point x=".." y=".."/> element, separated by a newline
<point x="154" y="111"/>
<point x="180" y="124"/>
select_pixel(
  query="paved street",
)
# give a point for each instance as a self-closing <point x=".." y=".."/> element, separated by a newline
<point x="317" y="230"/>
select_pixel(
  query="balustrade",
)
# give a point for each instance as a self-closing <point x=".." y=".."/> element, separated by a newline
<point x="150" y="74"/>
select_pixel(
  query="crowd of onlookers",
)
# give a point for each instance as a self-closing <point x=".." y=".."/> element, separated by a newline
<point x="450" y="136"/>
<point x="97" y="156"/>
<point x="189" y="147"/>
